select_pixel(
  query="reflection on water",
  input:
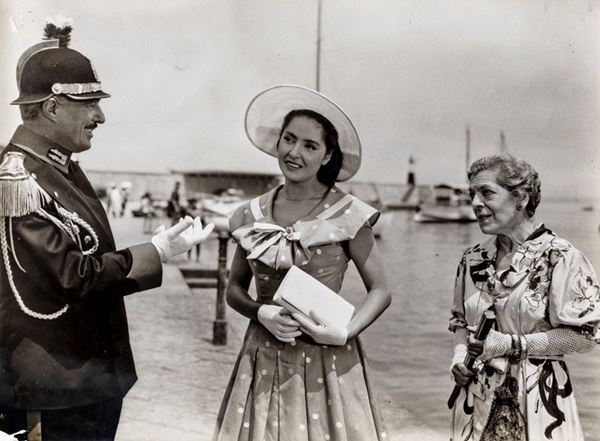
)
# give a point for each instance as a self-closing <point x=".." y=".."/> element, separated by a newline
<point x="410" y="348"/>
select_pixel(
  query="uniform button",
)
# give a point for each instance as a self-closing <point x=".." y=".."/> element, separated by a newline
<point x="55" y="194"/>
<point x="87" y="239"/>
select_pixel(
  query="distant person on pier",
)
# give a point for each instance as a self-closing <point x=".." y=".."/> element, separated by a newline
<point x="545" y="296"/>
<point x="174" y="204"/>
<point x="147" y="211"/>
<point x="194" y="209"/>
<point x="115" y="202"/>
<point x="125" y="190"/>
<point x="65" y="356"/>
<point x="297" y="377"/>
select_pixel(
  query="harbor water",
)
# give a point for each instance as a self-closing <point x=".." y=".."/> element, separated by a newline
<point x="410" y="348"/>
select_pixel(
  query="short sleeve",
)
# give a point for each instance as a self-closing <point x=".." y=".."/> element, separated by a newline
<point x="240" y="217"/>
<point x="457" y="313"/>
<point x="353" y="217"/>
<point x="574" y="292"/>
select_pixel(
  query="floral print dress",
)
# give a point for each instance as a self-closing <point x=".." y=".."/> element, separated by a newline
<point x="549" y="284"/>
<point x="301" y="390"/>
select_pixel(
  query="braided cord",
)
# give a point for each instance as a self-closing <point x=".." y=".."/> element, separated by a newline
<point x="18" y="298"/>
<point x="77" y="221"/>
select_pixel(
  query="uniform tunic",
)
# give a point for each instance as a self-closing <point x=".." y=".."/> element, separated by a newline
<point x="549" y="284"/>
<point x="83" y="356"/>
<point x="301" y="390"/>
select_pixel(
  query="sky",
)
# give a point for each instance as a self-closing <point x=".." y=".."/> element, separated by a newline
<point x="412" y="75"/>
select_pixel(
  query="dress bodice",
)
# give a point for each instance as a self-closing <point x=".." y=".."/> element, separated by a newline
<point x="548" y="284"/>
<point x="316" y="243"/>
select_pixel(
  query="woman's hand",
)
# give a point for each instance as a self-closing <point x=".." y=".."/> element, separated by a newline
<point x="279" y="323"/>
<point x="462" y="374"/>
<point x="319" y="331"/>
<point x="496" y="344"/>
<point x="474" y="347"/>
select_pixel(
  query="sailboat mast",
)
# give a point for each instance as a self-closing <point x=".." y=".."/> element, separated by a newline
<point x="318" y="66"/>
<point x="468" y="149"/>
<point x="503" y="147"/>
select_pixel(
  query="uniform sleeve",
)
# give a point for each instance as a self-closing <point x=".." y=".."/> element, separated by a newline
<point x="574" y="293"/>
<point x="54" y="261"/>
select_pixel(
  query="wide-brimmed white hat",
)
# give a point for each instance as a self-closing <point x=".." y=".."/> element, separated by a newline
<point x="266" y="111"/>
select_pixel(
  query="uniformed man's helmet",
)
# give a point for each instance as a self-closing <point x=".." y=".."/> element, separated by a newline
<point x="51" y="68"/>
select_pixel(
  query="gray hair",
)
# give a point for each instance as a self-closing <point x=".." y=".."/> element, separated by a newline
<point x="514" y="174"/>
<point x="30" y="111"/>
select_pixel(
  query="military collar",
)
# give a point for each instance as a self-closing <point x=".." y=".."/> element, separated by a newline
<point x="42" y="148"/>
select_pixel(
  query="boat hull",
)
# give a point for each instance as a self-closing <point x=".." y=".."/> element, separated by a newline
<point x="438" y="214"/>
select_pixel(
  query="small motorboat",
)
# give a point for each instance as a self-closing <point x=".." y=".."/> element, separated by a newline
<point x="448" y="203"/>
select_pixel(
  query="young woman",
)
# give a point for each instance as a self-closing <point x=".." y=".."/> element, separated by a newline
<point x="295" y="379"/>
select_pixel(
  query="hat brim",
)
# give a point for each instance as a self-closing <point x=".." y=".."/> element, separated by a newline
<point x="265" y="113"/>
<point x="38" y="98"/>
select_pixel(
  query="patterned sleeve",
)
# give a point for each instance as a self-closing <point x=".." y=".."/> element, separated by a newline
<point x="240" y="217"/>
<point x="457" y="313"/>
<point x="574" y="292"/>
<point x="353" y="217"/>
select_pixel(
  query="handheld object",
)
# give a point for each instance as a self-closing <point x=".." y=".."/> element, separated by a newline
<point x="487" y="320"/>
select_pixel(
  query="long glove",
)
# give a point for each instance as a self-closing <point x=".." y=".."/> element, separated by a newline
<point x="557" y="341"/>
<point x="278" y="322"/>
<point x="180" y="238"/>
<point x="459" y="373"/>
<point x="320" y="332"/>
<point x="461" y="336"/>
<point x="495" y="345"/>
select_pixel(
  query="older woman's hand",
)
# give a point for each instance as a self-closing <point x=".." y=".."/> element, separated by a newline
<point x="474" y="347"/>
<point x="462" y="374"/>
<point x="495" y="345"/>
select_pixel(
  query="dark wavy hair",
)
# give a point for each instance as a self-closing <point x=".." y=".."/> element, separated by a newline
<point x="514" y="174"/>
<point x="328" y="173"/>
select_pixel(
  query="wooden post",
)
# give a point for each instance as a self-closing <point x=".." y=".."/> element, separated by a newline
<point x="220" y="323"/>
<point x="34" y="425"/>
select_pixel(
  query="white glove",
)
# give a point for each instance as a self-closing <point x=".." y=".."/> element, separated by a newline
<point x="278" y="322"/>
<point x="180" y="237"/>
<point x="6" y="437"/>
<point x="461" y="336"/>
<point x="320" y="332"/>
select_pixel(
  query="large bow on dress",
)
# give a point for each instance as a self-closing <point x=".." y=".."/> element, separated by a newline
<point x="272" y="244"/>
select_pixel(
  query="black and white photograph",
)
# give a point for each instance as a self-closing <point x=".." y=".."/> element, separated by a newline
<point x="300" y="220"/>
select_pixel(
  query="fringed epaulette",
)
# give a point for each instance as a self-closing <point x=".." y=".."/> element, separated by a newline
<point x="20" y="194"/>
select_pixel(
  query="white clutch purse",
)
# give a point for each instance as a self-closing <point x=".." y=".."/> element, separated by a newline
<point x="301" y="293"/>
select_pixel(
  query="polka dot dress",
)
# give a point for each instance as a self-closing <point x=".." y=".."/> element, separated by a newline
<point x="301" y="390"/>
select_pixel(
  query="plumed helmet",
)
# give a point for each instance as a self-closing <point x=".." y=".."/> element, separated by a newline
<point x="52" y="68"/>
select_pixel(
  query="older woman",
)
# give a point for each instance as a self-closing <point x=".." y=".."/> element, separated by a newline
<point x="544" y="293"/>
<point x="294" y="379"/>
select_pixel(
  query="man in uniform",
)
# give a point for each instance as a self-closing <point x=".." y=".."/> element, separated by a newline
<point x="65" y="357"/>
